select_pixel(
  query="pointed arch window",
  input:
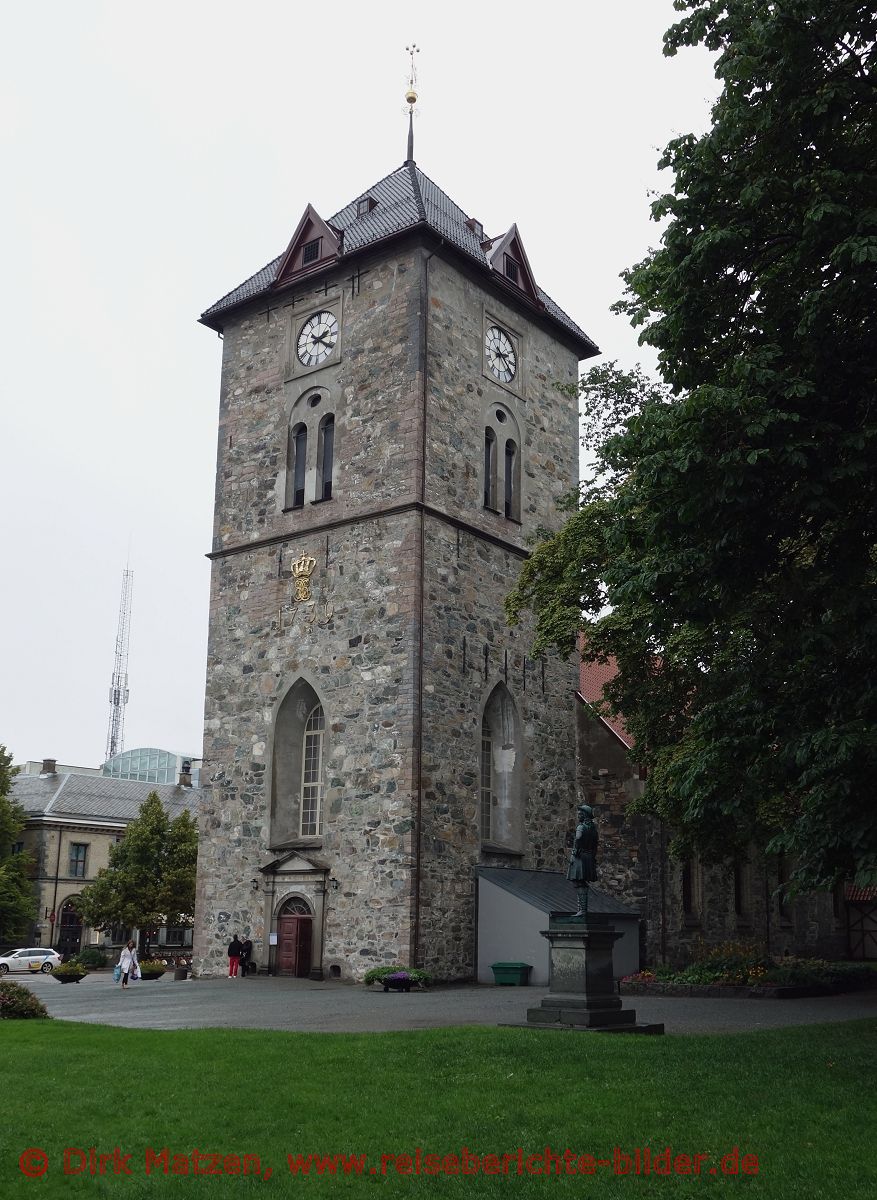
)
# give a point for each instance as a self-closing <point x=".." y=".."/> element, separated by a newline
<point x="502" y="756"/>
<point x="297" y="459"/>
<point x="326" y="455"/>
<point x="312" y="773"/>
<point x="299" y="754"/>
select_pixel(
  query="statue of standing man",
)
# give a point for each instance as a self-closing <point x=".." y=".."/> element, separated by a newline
<point x="582" y="868"/>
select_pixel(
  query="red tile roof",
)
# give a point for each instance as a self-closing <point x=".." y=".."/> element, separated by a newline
<point x="593" y="677"/>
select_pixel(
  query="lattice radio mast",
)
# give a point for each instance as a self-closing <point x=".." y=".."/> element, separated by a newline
<point x="119" y="685"/>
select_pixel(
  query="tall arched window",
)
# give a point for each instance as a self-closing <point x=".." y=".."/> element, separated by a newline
<point x="297" y="458"/>
<point x="312" y="773"/>
<point x="298" y="757"/>
<point x="502" y="773"/>
<point x="512" y="482"/>
<point x="326" y="456"/>
<point x="489" y="468"/>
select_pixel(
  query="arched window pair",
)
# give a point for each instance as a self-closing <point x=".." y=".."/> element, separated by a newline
<point x="307" y="479"/>
<point x="501" y="807"/>
<point x="502" y="463"/>
<point x="298" y="766"/>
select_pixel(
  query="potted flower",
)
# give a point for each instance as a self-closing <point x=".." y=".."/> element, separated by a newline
<point x="151" y="968"/>
<point x="397" y="978"/>
<point x="69" y="972"/>
<point x="397" y="981"/>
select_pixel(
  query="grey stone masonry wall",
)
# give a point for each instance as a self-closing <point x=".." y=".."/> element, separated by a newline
<point x="354" y="645"/>
<point x="469" y="650"/>
<point x="461" y="392"/>
<point x="403" y="639"/>
<point x="371" y="384"/>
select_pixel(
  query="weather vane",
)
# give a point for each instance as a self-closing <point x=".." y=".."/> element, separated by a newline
<point x="411" y="99"/>
<point x="411" y="93"/>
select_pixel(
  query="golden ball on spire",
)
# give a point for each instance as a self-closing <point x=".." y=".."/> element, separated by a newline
<point x="411" y="96"/>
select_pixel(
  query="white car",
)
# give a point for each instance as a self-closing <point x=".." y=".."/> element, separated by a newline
<point x="37" y="958"/>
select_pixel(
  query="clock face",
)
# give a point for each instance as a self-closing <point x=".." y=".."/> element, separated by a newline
<point x="500" y="354"/>
<point x="317" y="339"/>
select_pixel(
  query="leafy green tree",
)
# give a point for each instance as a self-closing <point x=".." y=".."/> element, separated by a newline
<point x="725" y="551"/>
<point x="17" y="901"/>
<point x="151" y="877"/>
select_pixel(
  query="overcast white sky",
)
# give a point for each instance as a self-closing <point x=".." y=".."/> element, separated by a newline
<point x="153" y="157"/>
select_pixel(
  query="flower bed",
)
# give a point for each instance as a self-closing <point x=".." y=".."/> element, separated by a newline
<point x="737" y="970"/>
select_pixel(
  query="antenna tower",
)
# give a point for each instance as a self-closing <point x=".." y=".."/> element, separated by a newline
<point x="119" y="685"/>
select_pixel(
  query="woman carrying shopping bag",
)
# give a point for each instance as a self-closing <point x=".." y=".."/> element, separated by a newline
<point x="128" y="964"/>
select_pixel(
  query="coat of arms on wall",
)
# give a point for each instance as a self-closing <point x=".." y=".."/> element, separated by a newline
<point x="302" y="569"/>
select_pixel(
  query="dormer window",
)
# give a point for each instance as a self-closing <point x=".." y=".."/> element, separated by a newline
<point x="476" y="227"/>
<point x="311" y="251"/>
<point x="511" y="269"/>
<point x="364" y="205"/>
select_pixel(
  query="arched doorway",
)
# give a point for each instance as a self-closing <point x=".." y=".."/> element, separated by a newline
<point x="295" y="929"/>
<point x="69" y="930"/>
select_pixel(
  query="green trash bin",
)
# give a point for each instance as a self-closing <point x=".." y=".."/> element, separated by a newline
<point x="514" y="974"/>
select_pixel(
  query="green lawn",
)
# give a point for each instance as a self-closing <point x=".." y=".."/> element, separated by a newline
<point x="800" y="1099"/>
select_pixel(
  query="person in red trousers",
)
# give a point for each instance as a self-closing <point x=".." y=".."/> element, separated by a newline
<point x="234" y="957"/>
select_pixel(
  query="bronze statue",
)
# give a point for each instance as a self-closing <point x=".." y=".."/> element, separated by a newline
<point x="582" y="868"/>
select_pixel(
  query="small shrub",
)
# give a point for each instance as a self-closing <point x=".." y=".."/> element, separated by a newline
<point x="18" y="1003"/>
<point x="92" y="957"/>
<point x="379" y="974"/>
<point x="70" y="969"/>
<point x="152" y="967"/>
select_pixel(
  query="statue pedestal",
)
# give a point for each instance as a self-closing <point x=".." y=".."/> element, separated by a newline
<point x="582" y="987"/>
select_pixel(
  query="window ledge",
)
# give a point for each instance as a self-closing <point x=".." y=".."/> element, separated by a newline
<point x="300" y="843"/>
<point x="323" y="500"/>
<point x="496" y="848"/>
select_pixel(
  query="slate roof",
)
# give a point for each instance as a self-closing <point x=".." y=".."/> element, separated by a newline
<point x="406" y="198"/>
<point x="551" y="892"/>
<point x="98" y="797"/>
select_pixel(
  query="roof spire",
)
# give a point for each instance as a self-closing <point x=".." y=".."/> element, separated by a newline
<point x="411" y="100"/>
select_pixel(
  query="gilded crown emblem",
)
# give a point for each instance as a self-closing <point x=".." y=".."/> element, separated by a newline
<point x="302" y="569"/>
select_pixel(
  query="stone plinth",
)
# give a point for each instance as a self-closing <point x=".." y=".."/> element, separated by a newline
<point x="582" y="987"/>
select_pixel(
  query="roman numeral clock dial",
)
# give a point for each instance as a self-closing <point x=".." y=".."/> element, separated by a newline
<point x="500" y="353"/>
<point x="317" y="339"/>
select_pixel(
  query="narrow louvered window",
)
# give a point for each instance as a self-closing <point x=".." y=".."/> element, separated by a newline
<point x="298" y="453"/>
<point x="511" y="464"/>
<point x="489" y="469"/>
<point x="486" y="782"/>
<point x="327" y="454"/>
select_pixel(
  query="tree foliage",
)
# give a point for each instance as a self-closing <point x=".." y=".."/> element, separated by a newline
<point x="17" y="901"/>
<point x="724" y="554"/>
<point x="151" y="877"/>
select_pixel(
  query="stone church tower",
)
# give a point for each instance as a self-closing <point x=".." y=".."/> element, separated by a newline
<point x="390" y="438"/>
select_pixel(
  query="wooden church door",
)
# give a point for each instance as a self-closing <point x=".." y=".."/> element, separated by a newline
<point x="294" y="935"/>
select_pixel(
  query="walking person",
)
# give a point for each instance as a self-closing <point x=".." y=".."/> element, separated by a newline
<point x="246" y="955"/>
<point x="234" y="957"/>
<point x="128" y="963"/>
